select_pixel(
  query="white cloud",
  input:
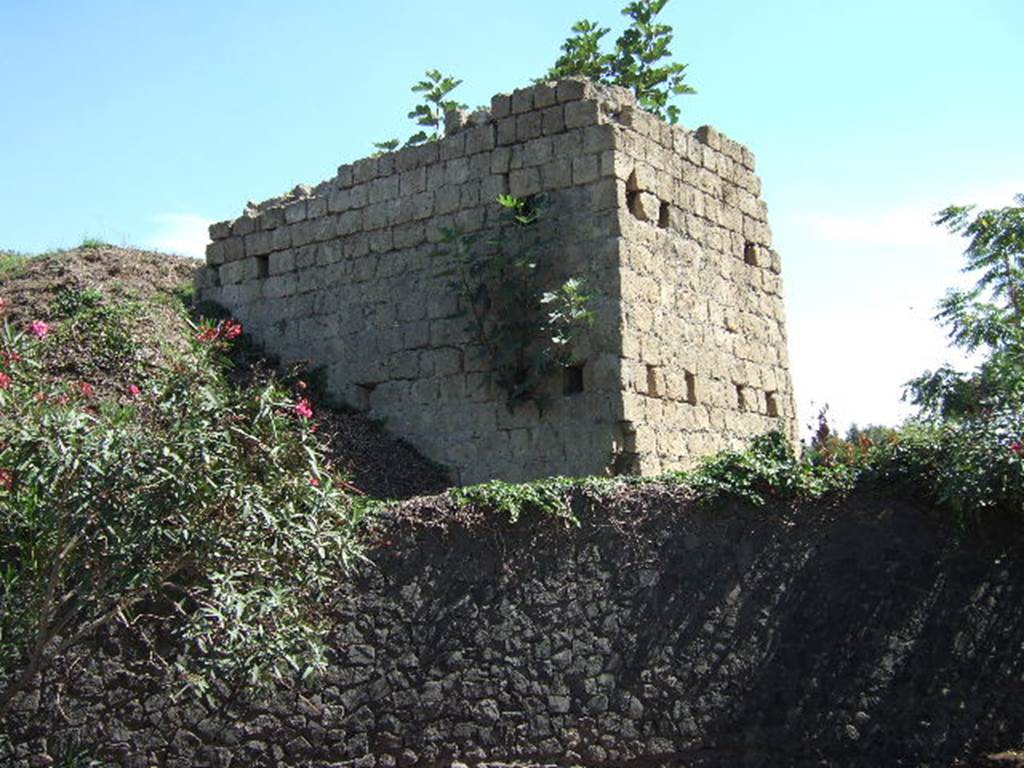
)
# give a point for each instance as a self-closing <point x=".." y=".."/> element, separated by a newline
<point x="908" y="226"/>
<point x="858" y="360"/>
<point x="861" y="316"/>
<point x="905" y="223"/>
<point x="182" y="233"/>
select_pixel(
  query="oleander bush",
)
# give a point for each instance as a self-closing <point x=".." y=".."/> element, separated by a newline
<point x="130" y="484"/>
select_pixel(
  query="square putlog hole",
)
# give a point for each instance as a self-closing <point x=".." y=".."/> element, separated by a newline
<point x="262" y="266"/>
<point x="663" y="216"/>
<point x="691" y="387"/>
<point x="750" y="253"/>
<point x="572" y="379"/>
<point x="742" y="402"/>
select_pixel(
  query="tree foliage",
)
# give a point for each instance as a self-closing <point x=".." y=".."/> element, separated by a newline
<point x="637" y="61"/>
<point x="988" y="318"/>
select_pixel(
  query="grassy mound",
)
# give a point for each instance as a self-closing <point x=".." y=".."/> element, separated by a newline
<point x="150" y="290"/>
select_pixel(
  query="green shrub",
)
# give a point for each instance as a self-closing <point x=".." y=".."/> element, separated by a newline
<point x="548" y="497"/>
<point x="636" y="62"/>
<point x="94" y="242"/>
<point x="69" y="303"/>
<point x="182" y="491"/>
<point x="968" y="466"/>
<point x="768" y="471"/>
<point x="524" y="319"/>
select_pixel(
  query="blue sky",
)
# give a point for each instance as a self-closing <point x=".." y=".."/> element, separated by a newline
<point x="140" y="122"/>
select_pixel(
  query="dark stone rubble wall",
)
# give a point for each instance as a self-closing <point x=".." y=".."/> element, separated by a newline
<point x="653" y="634"/>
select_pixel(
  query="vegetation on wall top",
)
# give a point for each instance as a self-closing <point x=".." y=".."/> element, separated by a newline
<point x="639" y="61"/>
<point x="636" y="62"/>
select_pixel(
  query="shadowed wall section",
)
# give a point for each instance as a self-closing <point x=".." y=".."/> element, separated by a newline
<point x="653" y="634"/>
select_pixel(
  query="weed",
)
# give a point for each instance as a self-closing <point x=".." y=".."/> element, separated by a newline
<point x="435" y="91"/>
<point x="12" y="263"/>
<point x="547" y="497"/>
<point x="69" y="302"/>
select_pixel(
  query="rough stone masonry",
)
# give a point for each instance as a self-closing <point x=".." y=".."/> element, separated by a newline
<point x="687" y="353"/>
<point x="656" y="633"/>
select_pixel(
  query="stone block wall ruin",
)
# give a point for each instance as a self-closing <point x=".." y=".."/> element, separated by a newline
<point x="687" y="353"/>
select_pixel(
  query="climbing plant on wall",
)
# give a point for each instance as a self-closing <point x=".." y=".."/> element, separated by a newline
<point x="525" y="324"/>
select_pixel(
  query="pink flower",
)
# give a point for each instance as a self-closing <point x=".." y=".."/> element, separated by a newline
<point x="302" y="409"/>
<point x="40" y="397"/>
<point x="314" y="482"/>
<point x="86" y="389"/>
<point x="6" y="479"/>
<point x="3" y="306"/>
<point x="40" y="329"/>
<point x="134" y="390"/>
<point x="5" y="381"/>
<point x="1018" y="448"/>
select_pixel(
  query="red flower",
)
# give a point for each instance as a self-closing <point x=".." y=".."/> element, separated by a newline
<point x="230" y="329"/>
<point x="314" y="482"/>
<point x="39" y="329"/>
<point x="1018" y="448"/>
<point x="303" y="409"/>
<point x="6" y="479"/>
<point x="134" y="390"/>
<point x="3" y="306"/>
<point x="225" y="329"/>
<point x="40" y="397"/>
<point x="86" y="389"/>
<point x="5" y="381"/>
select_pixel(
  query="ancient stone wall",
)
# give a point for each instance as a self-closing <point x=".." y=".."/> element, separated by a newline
<point x="653" y="634"/>
<point x="704" y="357"/>
<point x="687" y="352"/>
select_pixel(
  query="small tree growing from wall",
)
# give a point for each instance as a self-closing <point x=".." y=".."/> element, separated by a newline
<point x="524" y="326"/>
<point x="435" y="90"/>
<point x="637" y="62"/>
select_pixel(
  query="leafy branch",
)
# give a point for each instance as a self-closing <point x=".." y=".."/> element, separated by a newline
<point x="635" y="63"/>
<point x="988" y="317"/>
<point x="525" y="328"/>
<point x="435" y="90"/>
